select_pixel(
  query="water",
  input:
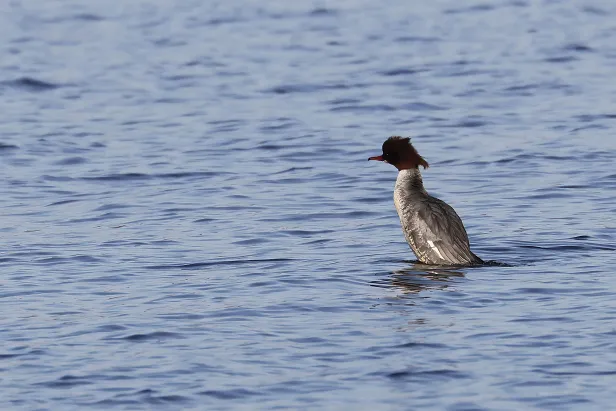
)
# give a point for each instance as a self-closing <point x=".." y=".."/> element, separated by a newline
<point x="190" y="220"/>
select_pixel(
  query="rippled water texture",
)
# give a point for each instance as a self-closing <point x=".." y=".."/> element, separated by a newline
<point x="189" y="220"/>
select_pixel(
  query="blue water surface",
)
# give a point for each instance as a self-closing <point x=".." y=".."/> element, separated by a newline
<point x="189" y="219"/>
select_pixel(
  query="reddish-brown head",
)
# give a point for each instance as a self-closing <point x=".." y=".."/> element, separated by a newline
<point x="400" y="153"/>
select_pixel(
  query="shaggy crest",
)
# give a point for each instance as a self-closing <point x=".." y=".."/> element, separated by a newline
<point x="399" y="152"/>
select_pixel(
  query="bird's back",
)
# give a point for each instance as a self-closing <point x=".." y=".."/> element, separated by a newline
<point x="432" y="228"/>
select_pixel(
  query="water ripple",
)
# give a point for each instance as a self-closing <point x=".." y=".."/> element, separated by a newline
<point x="191" y="222"/>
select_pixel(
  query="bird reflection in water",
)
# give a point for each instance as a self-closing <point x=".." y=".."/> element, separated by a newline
<point x="419" y="277"/>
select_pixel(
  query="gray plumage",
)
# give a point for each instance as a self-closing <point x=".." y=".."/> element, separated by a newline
<point x="432" y="228"/>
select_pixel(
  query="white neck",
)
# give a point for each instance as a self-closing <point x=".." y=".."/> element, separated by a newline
<point x="410" y="181"/>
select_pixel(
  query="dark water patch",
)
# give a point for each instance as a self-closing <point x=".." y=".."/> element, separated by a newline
<point x="312" y="88"/>
<point x="429" y="375"/>
<point x="87" y="17"/>
<point x="30" y="84"/>
<point x="549" y="196"/>
<point x="252" y="241"/>
<point x="181" y="210"/>
<point x="418" y="106"/>
<point x="344" y="101"/>
<point x="466" y="406"/>
<point x="601" y="373"/>
<point x="177" y="297"/>
<point x="590" y="127"/>
<point x="416" y="283"/>
<point x="33" y="253"/>
<point x="145" y="396"/>
<point x="469" y="123"/>
<point x="310" y="340"/>
<point x="372" y="200"/>
<point x="322" y="11"/>
<point x="572" y="186"/>
<point x="416" y="39"/>
<point x="360" y="108"/>
<point x="319" y="216"/>
<point x="554" y="402"/>
<point x="419" y="345"/>
<point x="542" y="319"/>
<point x="7" y="147"/>
<point x="272" y="147"/>
<point x="236" y="208"/>
<point x="472" y="9"/>
<point x="305" y="233"/>
<point x="68" y="381"/>
<point x="532" y="88"/>
<point x="204" y="220"/>
<point x="263" y="284"/>
<point x="107" y="207"/>
<point x="71" y="161"/>
<point x="206" y="61"/>
<point x="560" y="59"/>
<point x="401" y="72"/>
<point x="292" y="169"/>
<point x="319" y="241"/>
<point x="417" y="278"/>
<point x="123" y="243"/>
<point x="120" y="177"/>
<point x="232" y="394"/>
<point x="153" y="336"/>
<point x="166" y="399"/>
<point x="182" y="316"/>
<point x="586" y="118"/>
<point x="282" y="125"/>
<point x="548" y="290"/>
<point x="570" y="247"/>
<point x="595" y="10"/>
<point x="218" y="263"/>
<point x="164" y="42"/>
<point x="67" y="260"/>
<point x="523" y="87"/>
<point x="10" y="356"/>
<point x="491" y="336"/>
<point x="136" y="122"/>
<point x="219" y="21"/>
<point x="64" y="18"/>
<point x="86" y="259"/>
<point x="494" y="263"/>
<point x="61" y="313"/>
<point x="537" y="157"/>
<point x="535" y="383"/>
<point x="102" y="217"/>
<point x="238" y="314"/>
<point x="143" y="176"/>
<point x="104" y="279"/>
<point x="578" y="47"/>
<point x="117" y="402"/>
<point x="286" y="181"/>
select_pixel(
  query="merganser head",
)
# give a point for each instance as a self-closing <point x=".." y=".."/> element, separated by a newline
<point x="400" y="153"/>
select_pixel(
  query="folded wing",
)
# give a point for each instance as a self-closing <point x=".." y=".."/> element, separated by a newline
<point x="441" y="229"/>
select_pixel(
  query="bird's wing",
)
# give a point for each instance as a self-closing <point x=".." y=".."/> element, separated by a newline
<point x="443" y="231"/>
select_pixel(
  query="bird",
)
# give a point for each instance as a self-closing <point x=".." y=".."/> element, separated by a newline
<point x="432" y="228"/>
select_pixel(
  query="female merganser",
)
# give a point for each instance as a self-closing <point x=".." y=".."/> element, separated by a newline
<point x="432" y="228"/>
